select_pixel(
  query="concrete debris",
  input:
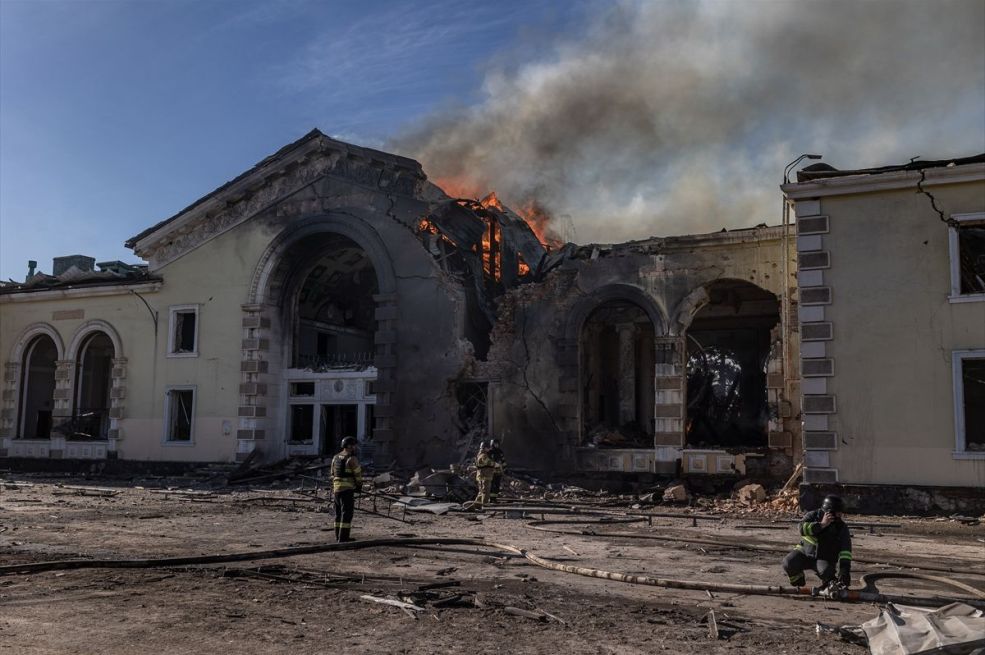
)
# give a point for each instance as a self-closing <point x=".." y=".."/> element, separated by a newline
<point x="752" y="494"/>
<point x="676" y="494"/>
<point x="442" y="485"/>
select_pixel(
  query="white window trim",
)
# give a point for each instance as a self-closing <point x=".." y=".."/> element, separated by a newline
<point x="315" y="419"/>
<point x="173" y="310"/>
<point x="165" y="441"/>
<point x="957" y="357"/>
<point x="952" y="249"/>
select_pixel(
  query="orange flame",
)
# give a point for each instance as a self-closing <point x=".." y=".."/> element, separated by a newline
<point x="491" y="201"/>
<point x="539" y="221"/>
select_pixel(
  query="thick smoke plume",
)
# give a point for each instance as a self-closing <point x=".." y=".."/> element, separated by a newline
<point x="668" y="118"/>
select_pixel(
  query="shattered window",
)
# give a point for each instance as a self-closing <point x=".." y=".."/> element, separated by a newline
<point x="302" y="388"/>
<point x="302" y="422"/>
<point x="971" y="257"/>
<point x="184" y="330"/>
<point x="180" y="405"/>
<point x="973" y="395"/>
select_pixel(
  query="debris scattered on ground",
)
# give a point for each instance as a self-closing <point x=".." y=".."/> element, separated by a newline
<point x="752" y="494"/>
<point x="676" y="494"/>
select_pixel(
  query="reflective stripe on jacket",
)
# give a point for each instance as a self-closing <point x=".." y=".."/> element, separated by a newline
<point x="832" y="543"/>
<point x="346" y="472"/>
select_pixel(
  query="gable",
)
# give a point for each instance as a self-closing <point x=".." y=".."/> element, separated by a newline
<point x="272" y="180"/>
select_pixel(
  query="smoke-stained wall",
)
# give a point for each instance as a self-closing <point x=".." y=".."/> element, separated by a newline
<point x="535" y="357"/>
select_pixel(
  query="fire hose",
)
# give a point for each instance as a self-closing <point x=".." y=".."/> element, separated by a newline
<point x="864" y="595"/>
<point x="539" y="525"/>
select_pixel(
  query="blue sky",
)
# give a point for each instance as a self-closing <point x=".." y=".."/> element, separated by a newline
<point x="115" y="115"/>
<point x="622" y="118"/>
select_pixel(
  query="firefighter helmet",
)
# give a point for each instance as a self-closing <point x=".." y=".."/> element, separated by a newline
<point x="349" y="442"/>
<point x="833" y="503"/>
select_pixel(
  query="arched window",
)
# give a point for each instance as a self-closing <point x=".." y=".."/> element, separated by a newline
<point x="617" y="376"/>
<point x="38" y="388"/>
<point x="729" y="344"/>
<point x="94" y="366"/>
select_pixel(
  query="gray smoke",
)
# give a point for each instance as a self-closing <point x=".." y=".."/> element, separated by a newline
<point x="670" y="117"/>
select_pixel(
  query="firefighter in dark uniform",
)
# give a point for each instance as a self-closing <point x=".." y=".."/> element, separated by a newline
<point x="347" y="478"/>
<point x="825" y="544"/>
<point x="500" y="459"/>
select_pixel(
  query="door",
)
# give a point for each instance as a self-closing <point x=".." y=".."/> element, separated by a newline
<point x="337" y="421"/>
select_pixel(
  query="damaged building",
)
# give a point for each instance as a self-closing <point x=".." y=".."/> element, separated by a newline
<point x="891" y="267"/>
<point x="333" y="290"/>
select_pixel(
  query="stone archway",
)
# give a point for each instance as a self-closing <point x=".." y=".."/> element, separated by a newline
<point x="731" y="342"/>
<point x="36" y="412"/>
<point x="570" y="350"/>
<point x="10" y="411"/>
<point x="271" y="334"/>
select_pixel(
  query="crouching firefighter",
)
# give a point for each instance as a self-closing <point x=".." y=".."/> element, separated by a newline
<point x="347" y="478"/>
<point x="825" y="544"/>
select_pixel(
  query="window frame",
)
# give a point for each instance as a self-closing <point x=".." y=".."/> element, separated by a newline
<point x="953" y="250"/>
<point x="165" y="437"/>
<point x="960" y="443"/>
<point x="173" y="312"/>
<point x="315" y="419"/>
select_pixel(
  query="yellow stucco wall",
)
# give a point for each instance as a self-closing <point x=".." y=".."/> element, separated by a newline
<point x="894" y="332"/>
<point x="216" y="276"/>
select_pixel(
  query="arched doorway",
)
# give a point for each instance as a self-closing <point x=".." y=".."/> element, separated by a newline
<point x="334" y="310"/>
<point x="93" y="381"/>
<point x="617" y="376"/>
<point x="729" y="345"/>
<point x="328" y="311"/>
<point x="38" y="388"/>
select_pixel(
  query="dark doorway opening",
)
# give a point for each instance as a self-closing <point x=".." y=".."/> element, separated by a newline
<point x="337" y="422"/>
<point x="38" y="388"/>
<point x="729" y="344"/>
<point x="618" y="362"/>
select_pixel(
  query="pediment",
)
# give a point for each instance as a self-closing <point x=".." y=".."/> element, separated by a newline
<point x="272" y="180"/>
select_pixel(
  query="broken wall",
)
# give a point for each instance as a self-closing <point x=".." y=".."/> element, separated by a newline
<point x="535" y="356"/>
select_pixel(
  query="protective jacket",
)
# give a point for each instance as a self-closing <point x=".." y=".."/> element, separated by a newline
<point x="485" y="465"/>
<point x="346" y="472"/>
<point x="831" y="544"/>
<point x="498" y="457"/>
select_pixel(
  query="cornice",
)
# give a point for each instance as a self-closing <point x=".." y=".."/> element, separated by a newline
<point x="29" y="295"/>
<point x="870" y="183"/>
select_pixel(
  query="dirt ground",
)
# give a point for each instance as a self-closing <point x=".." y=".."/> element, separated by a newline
<point x="312" y="603"/>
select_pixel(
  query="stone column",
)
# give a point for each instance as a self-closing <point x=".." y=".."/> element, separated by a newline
<point x="117" y="402"/>
<point x="63" y="402"/>
<point x="669" y="406"/>
<point x="627" y="372"/>
<point x="385" y="339"/>
<point x="253" y="368"/>
<point x="8" y="405"/>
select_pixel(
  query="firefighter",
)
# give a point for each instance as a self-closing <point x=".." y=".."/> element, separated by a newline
<point x="347" y="478"/>
<point x="485" y="468"/>
<point x="500" y="459"/>
<point x="825" y="544"/>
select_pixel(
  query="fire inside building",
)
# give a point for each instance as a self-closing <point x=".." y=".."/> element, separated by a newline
<point x="333" y="290"/>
